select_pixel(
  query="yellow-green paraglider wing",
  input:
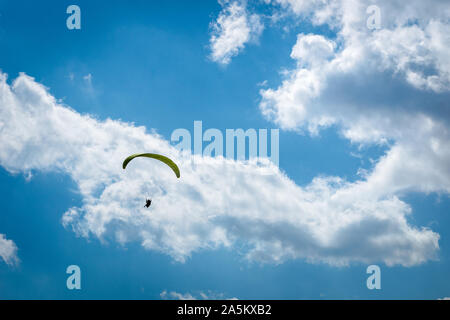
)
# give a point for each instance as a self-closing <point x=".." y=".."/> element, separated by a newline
<point x="159" y="157"/>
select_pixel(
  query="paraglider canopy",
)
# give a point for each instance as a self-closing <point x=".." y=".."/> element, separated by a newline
<point x="159" y="157"/>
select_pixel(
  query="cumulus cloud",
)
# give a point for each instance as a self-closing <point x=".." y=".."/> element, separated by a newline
<point x="386" y="86"/>
<point x="232" y="30"/>
<point x="312" y="50"/>
<point x="412" y="46"/>
<point x="217" y="203"/>
<point x="8" y="250"/>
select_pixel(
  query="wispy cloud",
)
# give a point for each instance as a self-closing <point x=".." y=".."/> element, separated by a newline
<point x="88" y="86"/>
<point x="88" y="79"/>
<point x="232" y="30"/>
<point x="209" y="295"/>
<point x="8" y="250"/>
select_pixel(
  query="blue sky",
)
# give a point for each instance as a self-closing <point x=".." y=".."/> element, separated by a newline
<point x="344" y="109"/>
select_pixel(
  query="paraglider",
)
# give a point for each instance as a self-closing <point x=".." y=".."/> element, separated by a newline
<point x="159" y="157"/>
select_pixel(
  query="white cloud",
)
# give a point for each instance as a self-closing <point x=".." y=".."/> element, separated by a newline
<point x="87" y="86"/>
<point x="173" y="295"/>
<point x="88" y="78"/>
<point x="232" y="30"/>
<point x="388" y="86"/>
<point x="420" y="54"/>
<point x="8" y="250"/>
<point x="412" y="45"/>
<point x="312" y="50"/>
<point x="216" y="203"/>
